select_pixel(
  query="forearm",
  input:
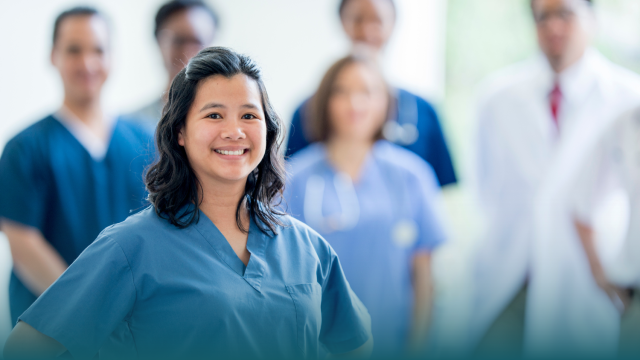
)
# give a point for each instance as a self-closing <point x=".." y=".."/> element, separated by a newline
<point x="585" y="233"/>
<point x="35" y="261"/>
<point x="25" y="342"/>
<point x="423" y="301"/>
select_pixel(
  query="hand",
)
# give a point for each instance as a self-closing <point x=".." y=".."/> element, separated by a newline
<point x="620" y="297"/>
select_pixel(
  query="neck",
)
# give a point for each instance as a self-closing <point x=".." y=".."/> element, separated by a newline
<point x="220" y="202"/>
<point x="348" y="155"/>
<point x="88" y="111"/>
<point x="561" y="64"/>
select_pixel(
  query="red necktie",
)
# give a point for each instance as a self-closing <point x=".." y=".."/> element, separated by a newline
<point x="554" y="102"/>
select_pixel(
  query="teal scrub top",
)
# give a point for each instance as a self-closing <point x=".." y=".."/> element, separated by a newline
<point x="147" y="289"/>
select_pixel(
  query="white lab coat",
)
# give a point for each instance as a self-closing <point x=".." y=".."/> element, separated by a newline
<point x="520" y="155"/>
<point x="570" y="312"/>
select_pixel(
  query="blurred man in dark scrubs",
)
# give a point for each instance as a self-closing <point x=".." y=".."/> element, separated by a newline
<point x="77" y="171"/>
<point x="413" y="122"/>
<point x="182" y="28"/>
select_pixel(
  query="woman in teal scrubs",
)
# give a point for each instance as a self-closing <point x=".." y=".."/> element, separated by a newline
<point x="211" y="269"/>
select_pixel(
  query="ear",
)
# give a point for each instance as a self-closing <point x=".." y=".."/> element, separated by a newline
<point x="181" y="137"/>
<point x="52" y="58"/>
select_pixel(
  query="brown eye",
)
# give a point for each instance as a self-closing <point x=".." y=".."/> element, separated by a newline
<point x="214" y="116"/>
<point x="248" y="116"/>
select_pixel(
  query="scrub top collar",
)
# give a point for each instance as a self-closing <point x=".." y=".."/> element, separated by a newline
<point x="95" y="146"/>
<point x="366" y="164"/>
<point x="254" y="271"/>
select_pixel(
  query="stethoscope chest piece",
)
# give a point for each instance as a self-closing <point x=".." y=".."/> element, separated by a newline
<point x="405" y="233"/>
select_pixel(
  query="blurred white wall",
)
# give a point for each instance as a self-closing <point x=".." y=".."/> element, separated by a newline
<point x="294" y="41"/>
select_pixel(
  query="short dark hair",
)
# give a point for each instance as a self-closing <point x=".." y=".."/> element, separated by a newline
<point x="343" y="4"/>
<point x="75" y="11"/>
<point x="589" y="1"/>
<point x="317" y="125"/>
<point x="171" y="181"/>
<point x="175" y="6"/>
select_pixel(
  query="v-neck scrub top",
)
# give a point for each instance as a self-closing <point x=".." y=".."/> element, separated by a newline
<point x="147" y="289"/>
<point x="49" y="181"/>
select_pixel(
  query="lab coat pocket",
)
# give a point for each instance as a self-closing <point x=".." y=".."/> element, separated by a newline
<point x="307" y="299"/>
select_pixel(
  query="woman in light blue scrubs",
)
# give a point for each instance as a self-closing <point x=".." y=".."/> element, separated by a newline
<point x="374" y="202"/>
<point x="212" y="268"/>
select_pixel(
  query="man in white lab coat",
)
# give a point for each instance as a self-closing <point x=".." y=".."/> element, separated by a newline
<point x="533" y="120"/>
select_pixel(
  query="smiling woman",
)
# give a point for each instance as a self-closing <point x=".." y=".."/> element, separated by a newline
<point x="215" y="110"/>
<point x="211" y="268"/>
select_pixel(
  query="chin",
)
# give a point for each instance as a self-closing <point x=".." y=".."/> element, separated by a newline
<point x="233" y="176"/>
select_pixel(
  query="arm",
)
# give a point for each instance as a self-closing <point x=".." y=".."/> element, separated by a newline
<point x="423" y="299"/>
<point x="35" y="261"/>
<point x="25" y="342"/>
<point x="585" y="233"/>
<point x="363" y="352"/>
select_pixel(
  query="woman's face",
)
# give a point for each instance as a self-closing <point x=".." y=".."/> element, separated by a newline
<point x="368" y="23"/>
<point x="358" y="103"/>
<point x="225" y="133"/>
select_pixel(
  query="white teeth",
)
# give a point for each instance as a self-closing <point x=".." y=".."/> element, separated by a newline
<point x="227" y="152"/>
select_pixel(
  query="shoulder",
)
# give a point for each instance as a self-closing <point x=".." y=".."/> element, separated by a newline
<point x="306" y="159"/>
<point x="509" y="80"/>
<point x="422" y="102"/>
<point x="135" y="126"/>
<point x="137" y="228"/>
<point x="31" y="137"/>
<point x="625" y="80"/>
<point x="402" y="161"/>
<point x="295" y="230"/>
<point x="303" y="105"/>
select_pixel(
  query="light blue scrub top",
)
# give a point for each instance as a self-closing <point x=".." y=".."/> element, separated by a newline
<point x="149" y="290"/>
<point x="394" y="185"/>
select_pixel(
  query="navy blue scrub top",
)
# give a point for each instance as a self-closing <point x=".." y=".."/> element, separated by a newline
<point x="150" y="290"/>
<point x="430" y="145"/>
<point x="50" y="182"/>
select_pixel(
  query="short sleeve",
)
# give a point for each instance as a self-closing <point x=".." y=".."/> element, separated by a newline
<point x="346" y="324"/>
<point x="23" y="184"/>
<point x="88" y="302"/>
<point x="429" y="212"/>
<point x="437" y="153"/>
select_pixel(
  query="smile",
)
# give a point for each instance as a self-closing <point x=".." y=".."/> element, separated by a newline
<point x="232" y="153"/>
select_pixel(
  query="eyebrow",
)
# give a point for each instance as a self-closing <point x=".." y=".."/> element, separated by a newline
<point x="216" y="105"/>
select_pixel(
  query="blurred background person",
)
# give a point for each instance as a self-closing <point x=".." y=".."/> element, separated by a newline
<point x="373" y="201"/>
<point x="73" y="173"/>
<point x="413" y="122"/>
<point x="182" y="28"/>
<point x="593" y="218"/>
<point x="533" y="121"/>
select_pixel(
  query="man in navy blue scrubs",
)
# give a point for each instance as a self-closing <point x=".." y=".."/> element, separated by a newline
<point x="414" y="123"/>
<point x="73" y="173"/>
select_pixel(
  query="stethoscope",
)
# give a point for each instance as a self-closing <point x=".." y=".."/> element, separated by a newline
<point x="407" y="133"/>
<point x="404" y="233"/>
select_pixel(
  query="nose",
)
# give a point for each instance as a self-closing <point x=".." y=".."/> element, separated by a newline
<point x="232" y="130"/>
<point x="90" y="62"/>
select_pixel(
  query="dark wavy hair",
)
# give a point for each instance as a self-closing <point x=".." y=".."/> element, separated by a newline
<point x="171" y="181"/>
